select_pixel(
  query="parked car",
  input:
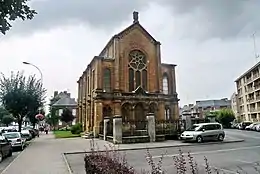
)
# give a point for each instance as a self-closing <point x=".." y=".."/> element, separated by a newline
<point x="244" y="124"/>
<point x="5" y="148"/>
<point x="257" y="128"/>
<point x="16" y="138"/>
<point x="234" y="125"/>
<point x="34" y="132"/>
<point x="27" y="134"/>
<point x="203" y="132"/>
<point x="252" y="126"/>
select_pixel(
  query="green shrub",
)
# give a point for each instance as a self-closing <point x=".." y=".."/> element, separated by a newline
<point x="76" y="129"/>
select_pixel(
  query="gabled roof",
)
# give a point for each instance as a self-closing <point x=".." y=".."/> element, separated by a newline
<point x="65" y="101"/>
<point x="135" y="24"/>
<point x="213" y="103"/>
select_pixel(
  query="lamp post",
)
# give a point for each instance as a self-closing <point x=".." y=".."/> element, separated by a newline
<point x="27" y="63"/>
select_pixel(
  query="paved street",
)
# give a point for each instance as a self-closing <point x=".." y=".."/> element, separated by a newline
<point x="44" y="155"/>
<point x="225" y="157"/>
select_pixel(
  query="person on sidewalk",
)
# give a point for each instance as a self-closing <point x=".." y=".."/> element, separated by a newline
<point x="46" y="128"/>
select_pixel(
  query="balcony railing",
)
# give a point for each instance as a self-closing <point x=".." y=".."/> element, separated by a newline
<point x="250" y="89"/>
<point x="249" y="80"/>
<point x="252" y="110"/>
<point x="255" y="75"/>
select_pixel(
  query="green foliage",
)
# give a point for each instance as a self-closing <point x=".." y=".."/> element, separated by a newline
<point x="66" y="115"/>
<point x="7" y="119"/>
<point x="3" y="112"/>
<point x="52" y="119"/>
<point x="31" y="115"/>
<point x="65" y="134"/>
<point x="10" y="10"/>
<point x="76" y="129"/>
<point x="20" y="95"/>
<point x="225" y="117"/>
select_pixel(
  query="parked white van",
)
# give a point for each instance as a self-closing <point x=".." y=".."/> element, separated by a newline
<point x="203" y="132"/>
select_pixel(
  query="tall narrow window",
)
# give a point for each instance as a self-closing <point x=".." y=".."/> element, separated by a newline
<point x="107" y="80"/>
<point x="93" y="80"/>
<point x="167" y="113"/>
<point x="165" y="84"/>
<point x="88" y="84"/>
<point x="137" y="70"/>
<point x="144" y="79"/>
<point x="137" y="78"/>
<point x="131" y="79"/>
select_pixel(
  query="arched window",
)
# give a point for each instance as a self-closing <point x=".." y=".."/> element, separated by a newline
<point x="165" y="84"/>
<point x="137" y="70"/>
<point x="107" y="80"/>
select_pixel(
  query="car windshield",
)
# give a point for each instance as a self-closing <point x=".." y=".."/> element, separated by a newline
<point x="193" y="128"/>
<point x="11" y="135"/>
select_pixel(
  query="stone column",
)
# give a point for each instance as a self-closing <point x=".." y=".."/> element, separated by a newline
<point x="97" y="116"/>
<point x="188" y="122"/>
<point x="106" y="120"/>
<point x="117" y="129"/>
<point x="151" y="126"/>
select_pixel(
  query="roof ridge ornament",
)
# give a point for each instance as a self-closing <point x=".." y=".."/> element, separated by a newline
<point x="135" y="17"/>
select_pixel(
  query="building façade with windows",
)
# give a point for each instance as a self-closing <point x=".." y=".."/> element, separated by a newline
<point x="127" y="79"/>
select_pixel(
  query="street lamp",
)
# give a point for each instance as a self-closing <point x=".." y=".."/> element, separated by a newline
<point x="27" y="63"/>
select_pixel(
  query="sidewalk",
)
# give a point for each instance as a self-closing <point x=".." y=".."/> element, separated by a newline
<point x="43" y="156"/>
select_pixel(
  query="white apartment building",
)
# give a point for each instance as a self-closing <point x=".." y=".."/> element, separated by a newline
<point x="248" y="94"/>
<point x="235" y="105"/>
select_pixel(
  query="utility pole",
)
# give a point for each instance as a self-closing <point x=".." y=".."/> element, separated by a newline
<point x="256" y="55"/>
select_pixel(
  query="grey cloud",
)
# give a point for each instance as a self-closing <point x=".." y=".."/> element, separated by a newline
<point x="98" y="13"/>
<point x="216" y="18"/>
<point x="219" y="18"/>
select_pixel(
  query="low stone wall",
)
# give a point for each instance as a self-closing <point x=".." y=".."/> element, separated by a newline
<point x="136" y="139"/>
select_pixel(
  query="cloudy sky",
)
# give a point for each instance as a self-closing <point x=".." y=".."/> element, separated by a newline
<point x="209" y="40"/>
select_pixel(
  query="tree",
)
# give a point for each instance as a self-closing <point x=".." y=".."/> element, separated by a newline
<point x="7" y="120"/>
<point x="3" y="112"/>
<point x="10" y="10"/>
<point x="21" y="95"/>
<point x="31" y="115"/>
<point x="225" y="117"/>
<point x="67" y="116"/>
<point x="52" y="119"/>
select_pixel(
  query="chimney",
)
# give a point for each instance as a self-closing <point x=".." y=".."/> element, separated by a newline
<point x="55" y="93"/>
<point x="135" y="17"/>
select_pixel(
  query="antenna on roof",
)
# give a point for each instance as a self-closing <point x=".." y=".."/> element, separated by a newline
<point x="256" y="55"/>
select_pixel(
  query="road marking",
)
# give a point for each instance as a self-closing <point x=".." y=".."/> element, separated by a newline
<point x="247" y="162"/>
<point x="212" y="151"/>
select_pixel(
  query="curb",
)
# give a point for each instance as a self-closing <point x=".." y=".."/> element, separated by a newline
<point x="7" y="167"/>
<point x="67" y="163"/>
<point x="158" y="147"/>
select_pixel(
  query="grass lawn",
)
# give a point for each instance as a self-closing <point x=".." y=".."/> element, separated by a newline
<point x="65" y="134"/>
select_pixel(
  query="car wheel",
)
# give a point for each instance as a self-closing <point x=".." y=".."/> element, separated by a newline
<point x="1" y="157"/>
<point x="22" y="147"/>
<point x="10" y="153"/>
<point x="220" y="137"/>
<point x="199" y="139"/>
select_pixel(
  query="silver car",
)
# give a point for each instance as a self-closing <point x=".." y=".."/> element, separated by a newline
<point x="16" y="139"/>
<point x="203" y="132"/>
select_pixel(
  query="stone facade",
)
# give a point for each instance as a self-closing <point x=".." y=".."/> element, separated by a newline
<point x="127" y="79"/>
